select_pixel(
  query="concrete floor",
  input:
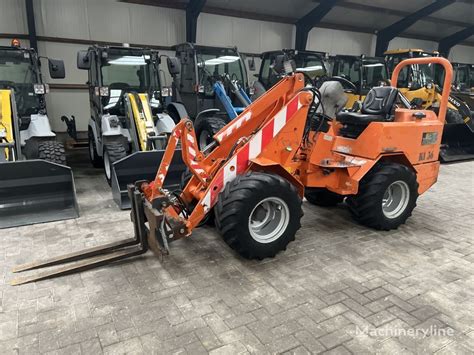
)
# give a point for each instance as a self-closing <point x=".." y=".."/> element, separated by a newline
<point x="339" y="288"/>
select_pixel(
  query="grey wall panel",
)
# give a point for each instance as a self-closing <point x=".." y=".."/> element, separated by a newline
<point x="339" y="42"/>
<point x="67" y="52"/>
<point x="156" y="25"/>
<point x="13" y="16"/>
<point x="61" y="18"/>
<point x="67" y="102"/>
<point x="109" y="20"/>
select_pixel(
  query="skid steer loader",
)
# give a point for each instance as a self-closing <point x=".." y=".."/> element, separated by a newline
<point x="358" y="74"/>
<point x="420" y="84"/>
<point x="35" y="184"/>
<point x="129" y="127"/>
<point x="213" y="86"/>
<point x="312" y="64"/>
<point x="277" y="151"/>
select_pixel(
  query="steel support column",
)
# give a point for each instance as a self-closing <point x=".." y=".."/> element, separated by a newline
<point x="193" y="9"/>
<point x="445" y="45"/>
<point x="384" y="36"/>
<point x="311" y="19"/>
<point x="30" y="18"/>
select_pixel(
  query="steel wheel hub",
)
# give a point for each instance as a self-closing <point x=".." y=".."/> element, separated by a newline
<point x="269" y="220"/>
<point x="395" y="199"/>
<point x="205" y="138"/>
<point x="107" y="166"/>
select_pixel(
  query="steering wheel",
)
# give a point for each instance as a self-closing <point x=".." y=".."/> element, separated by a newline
<point x="348" y="85"/>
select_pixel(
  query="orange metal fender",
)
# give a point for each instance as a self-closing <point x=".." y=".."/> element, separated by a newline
<point x="270" y="166"/>
<point x="426" y="174"/>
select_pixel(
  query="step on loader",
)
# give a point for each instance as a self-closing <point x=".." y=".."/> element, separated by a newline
<point x="129" y="125"/>
<point x="276" y="152"/>
<point x="421" y="84"/>
<point x="36" y="186"/>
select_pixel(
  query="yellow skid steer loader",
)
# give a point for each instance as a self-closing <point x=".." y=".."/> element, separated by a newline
<point x="31" y="191"/>
<point x="129" y="125"/>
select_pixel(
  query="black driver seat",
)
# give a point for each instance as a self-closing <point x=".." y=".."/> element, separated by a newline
<point x="377" y="107"/>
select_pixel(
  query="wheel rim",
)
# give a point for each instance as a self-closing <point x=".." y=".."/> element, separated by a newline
<point x="395" y="199"/>
<point x="269" y="220"/>
<point x="107" y="165"/>
<point x="205" y="138"/>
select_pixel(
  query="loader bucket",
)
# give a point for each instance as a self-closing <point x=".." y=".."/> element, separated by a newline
<point x="36" y="191"/>
<point x="143" y="166"/>
<point x="457" y="143"/>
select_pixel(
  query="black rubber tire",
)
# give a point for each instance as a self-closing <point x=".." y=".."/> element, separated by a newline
<point x="366" y="206"/>
<point x="95" y="158"/>
<point x="116" y="151"/>
<point x="322" y="197"/>
<point x="52" y="151"/>
<point x="209" y="124"/>
<point x="454" y="116"/>
<point x="236" y="203"/>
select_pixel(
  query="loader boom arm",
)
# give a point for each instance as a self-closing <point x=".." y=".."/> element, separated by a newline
<point x="242" y="140"/>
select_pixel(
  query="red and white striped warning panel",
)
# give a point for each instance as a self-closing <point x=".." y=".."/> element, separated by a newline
<point x="240" y="161"/>
<point x="236" y="123"/>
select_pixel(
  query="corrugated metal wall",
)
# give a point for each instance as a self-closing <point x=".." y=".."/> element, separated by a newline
<point x="109" y="20"/>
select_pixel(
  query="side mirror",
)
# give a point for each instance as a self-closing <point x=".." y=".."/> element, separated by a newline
<point x="174" y="66"/>
<point x="251" y="63"/>
<point x="83" y="60"/>
<point x="56" y="69"/>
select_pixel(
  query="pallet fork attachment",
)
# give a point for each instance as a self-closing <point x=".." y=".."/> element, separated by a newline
<point x="96" y="256"/>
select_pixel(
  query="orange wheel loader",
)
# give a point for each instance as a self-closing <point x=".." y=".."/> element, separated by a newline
<point x="254" y="175"/>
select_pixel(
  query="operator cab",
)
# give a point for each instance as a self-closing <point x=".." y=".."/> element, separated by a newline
<point x="201" y="68"/>
<point x="124" y="70"/>
<point x="364" y="72"/>
<point x="310" y="63"/>
<point x="20" y="71"/>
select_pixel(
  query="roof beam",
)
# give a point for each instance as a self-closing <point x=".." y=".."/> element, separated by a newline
<point x="382" y="11"/>
<point x="181" y="5"/>
<point x="445" y="45"/>
<point x="311" y="19"/>
<point x="193" y="9"/>
<point x="385" y="35"/>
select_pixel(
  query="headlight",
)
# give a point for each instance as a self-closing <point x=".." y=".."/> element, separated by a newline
<point x="3" y="133"/>
<point x="113" y="121"/>
<point x="104" y="91"/>
<point x="251" y="90"/>
<point x="201" y="89"/>
<point x="39" y="89"/>
<point x="165" y="91"/>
